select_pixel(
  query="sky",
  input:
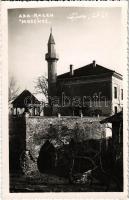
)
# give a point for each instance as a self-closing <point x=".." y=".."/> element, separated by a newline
<point x="81" y="35"/>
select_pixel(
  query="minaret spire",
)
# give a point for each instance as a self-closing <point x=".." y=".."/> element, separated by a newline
<point x="51" y="30"/>
<point x="51" y="58"/>
<point x="51" y="38"/>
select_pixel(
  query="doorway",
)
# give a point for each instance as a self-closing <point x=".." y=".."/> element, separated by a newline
<point x="47" y="158"/>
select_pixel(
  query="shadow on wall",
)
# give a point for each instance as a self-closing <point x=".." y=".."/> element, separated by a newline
<point x="54" y="161"/>
<point x="17" y="144"/>
<point x="47" y="158"/>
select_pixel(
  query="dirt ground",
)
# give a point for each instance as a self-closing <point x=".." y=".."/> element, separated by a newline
<point x="52" y="183"/>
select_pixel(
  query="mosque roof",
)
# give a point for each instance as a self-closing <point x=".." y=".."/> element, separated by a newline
<point x="91" y="69"/>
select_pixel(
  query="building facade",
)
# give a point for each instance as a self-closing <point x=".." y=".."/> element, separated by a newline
<point x="89" y="90"/>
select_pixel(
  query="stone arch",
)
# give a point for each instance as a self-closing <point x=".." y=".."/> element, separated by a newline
<point x="47" y="158"/>
<point x="83" y="164"/>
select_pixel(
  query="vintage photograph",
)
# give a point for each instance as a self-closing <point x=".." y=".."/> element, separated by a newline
<point x="66" y="99"/>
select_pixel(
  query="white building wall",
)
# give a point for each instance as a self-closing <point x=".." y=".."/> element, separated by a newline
<point x="118" y="102"/>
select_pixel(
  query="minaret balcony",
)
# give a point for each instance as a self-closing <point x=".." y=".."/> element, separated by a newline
<point x="51" y="56"/>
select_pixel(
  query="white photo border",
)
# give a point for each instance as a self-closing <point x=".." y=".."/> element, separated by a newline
<point x="5" y="139"/>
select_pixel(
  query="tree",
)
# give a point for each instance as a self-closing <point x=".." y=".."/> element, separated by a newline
<point x="13" y="88"/>
<point x="41" y="87"/>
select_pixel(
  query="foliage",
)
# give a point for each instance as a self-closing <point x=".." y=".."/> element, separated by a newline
<point x="41" y="87"/>
<point x="13" y="88"/>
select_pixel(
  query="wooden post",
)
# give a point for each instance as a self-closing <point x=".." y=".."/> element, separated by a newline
<point x="39" y="110"/>
<point x="16" y="110"/>
<point x="33" y="111"/>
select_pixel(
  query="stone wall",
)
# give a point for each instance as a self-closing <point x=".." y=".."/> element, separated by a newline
<point x="38" y="129"/>
<point x="59" y="131"/>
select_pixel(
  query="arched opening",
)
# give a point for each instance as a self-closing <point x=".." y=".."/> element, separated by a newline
<point x="82" y="164"/>
<point x="47" y="158"/>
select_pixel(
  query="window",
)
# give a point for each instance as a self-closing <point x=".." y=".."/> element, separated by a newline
<point x="121" y="94"/>
<point x="115" y="108"/>
<point x="115" y="92"/>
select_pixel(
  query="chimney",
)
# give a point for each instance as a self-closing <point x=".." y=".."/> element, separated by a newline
<point x="71" y="70"/>
<point x="94" y="63"/>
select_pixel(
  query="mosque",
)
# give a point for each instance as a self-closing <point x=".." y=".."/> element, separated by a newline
<point x="89" y="90"/>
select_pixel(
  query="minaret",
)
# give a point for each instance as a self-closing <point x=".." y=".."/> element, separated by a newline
<point x="52" y="58"/>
